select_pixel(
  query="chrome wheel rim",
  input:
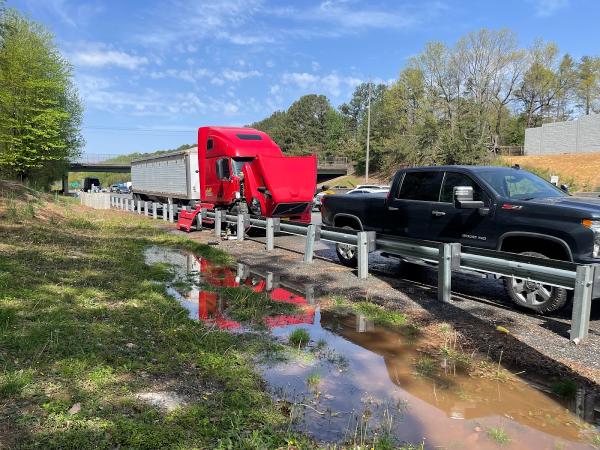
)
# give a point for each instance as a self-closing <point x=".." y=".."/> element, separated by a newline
<point x="529" y="293"/>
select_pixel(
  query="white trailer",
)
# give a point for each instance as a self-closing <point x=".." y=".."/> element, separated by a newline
<point x="172" y="177"/>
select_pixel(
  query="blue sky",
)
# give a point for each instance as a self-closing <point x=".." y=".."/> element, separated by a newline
<point x="151" y="72"/>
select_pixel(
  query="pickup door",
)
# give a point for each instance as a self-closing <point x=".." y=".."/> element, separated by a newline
<point x="409" y="205"/>
<point x="421" y="206"/>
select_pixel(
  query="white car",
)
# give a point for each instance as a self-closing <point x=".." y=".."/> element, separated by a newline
<point x="360" y="190"/>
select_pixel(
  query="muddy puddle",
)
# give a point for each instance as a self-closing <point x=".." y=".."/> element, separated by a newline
<point x="354" y="382"/>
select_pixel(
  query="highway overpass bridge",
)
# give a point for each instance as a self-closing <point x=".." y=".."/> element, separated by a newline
<point x="327" y="168"/>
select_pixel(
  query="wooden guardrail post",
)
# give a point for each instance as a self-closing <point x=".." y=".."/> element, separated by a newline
<point x="146" y="209"/>
<point x="448" y="260"/>
<point x="165" y="212"/>
<point x="273" y="224"/>
<point x="365" y="244"/>
<point x="582" y="303"/>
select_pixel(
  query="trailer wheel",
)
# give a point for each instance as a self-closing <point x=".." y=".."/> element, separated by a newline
<point x="538" y="297"/>
<point x="347" y="254"/>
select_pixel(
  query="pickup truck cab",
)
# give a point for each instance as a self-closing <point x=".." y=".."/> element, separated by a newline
<point x="500" y="208"/>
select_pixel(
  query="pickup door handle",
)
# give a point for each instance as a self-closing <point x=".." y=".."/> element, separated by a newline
<point x="438" y="213"/>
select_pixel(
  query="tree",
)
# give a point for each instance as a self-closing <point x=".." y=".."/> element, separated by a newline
<point x="588" y="84"/>
<point x="40" y="112"/>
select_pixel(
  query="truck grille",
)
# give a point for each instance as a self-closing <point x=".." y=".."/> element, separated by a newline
<point x="289" y="209"/>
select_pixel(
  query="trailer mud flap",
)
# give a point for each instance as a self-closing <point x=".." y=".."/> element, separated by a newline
<point x="186" y="219"/>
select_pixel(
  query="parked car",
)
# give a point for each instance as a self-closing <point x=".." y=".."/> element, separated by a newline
<point x="119" y="188"/>
<point x="500" y="208"/>
<point x="367" y="190"/>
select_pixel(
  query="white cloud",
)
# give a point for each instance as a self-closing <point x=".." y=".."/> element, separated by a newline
<point x="331" y="84"/>
<point x="238" y="75"/>
<point x="546" y="8"/>
<point x="98" y="55"/>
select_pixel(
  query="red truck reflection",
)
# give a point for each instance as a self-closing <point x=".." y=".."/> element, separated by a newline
<point x="211" y="304"/>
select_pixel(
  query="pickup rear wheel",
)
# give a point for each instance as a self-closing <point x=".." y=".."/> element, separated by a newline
<point x="539" y="297"/>
<point x="347" y="253"/>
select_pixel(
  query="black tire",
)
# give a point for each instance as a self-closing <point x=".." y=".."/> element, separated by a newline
<point x="541" y="298"/>
<point x="347" y="253"/>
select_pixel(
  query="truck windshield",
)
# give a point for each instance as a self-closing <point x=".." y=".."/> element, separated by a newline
<point x="238" y="164"/>
<point x="519" y="184"/>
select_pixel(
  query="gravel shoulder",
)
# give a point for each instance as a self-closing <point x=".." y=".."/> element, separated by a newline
<point x="535" y="346"/>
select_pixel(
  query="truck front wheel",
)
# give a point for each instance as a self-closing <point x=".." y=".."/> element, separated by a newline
<point x="539" y="297"/>
<point x="347" y="253"/>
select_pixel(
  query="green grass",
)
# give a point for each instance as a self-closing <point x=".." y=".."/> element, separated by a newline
<point x="498" y="435"/>
<point x="84" y="320"/>
<point x="313" y="380"/>
<point x="378" y="314"/>
<point x="596" y="440"/>
<point x="564" y="388"/>
<point x="425" y="367"/>
<point x="245" y="305"/>
<point x="299" y="337"/>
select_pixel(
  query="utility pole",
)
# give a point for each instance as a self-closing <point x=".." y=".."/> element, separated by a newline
<point x="368" y="133"/>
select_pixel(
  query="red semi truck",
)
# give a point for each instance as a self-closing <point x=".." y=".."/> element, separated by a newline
<point x="237" y="169"/>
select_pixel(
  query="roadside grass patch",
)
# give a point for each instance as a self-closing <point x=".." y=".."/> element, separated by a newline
<point x="299" y="337"/>
<point x="245" y="305"/>
<point x="313" y="380"/>
<point x="564" y="388"/>
<point x="378" y="314"/>
<point x="498" y="435"/>
<point x="83" y="322"/>
<point x="425" y="367"/>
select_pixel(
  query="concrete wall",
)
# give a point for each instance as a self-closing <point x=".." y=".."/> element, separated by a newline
<point x="576" y="136"/>
<point x="99" y="200"/>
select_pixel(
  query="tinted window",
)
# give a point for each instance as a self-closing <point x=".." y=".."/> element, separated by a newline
<point x="223" y="171"/>
<point x="209" y="144"/>
<point x="423" y="186"/>
<point x="454" y="179"/>
<point x="249" y="137"/>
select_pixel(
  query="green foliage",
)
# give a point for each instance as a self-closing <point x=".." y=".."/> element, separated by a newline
<point x="40" y="112"/>
<point x="299" y="337"/>
<point x="565" y="388"/>
<point x="498" y="435"/>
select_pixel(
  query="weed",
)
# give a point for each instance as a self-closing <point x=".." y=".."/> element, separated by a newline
<point x="299" y="337"/>
<point x="245" y="305"/>
<point x="565" y="388"/>
<point x="596" y="440"/>
<point x="313" y="380"/>
<point x="378" y="314"/>
<point x="425" y="367"/>
<point x="498" y="435"/>
<point x="12" y="383"/>
<point x="320" y="345"/>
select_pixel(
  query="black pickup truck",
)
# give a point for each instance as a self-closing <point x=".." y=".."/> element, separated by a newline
<point x="500" y="208"/>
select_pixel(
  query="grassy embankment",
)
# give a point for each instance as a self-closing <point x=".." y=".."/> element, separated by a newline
<point x="85" y="329"/>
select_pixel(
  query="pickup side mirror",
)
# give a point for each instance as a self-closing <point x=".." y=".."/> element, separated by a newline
<point x="564" y="188"/>
<point x="463" y="198"/>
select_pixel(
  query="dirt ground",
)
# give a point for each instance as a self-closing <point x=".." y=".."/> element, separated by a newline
<point x="536" y="347"/>
<point x="583" y="167"/>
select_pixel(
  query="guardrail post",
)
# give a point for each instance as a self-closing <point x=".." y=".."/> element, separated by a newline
<point x="219" y="218"/>
<point x="241" y="226"/>
<point x="165" y="211"/>
<point x="146" y="209"/>
<point x="132" y="205"/>
<point x="200" y="219"/>
<point x="139" y="206"/>
<point x="171" y="213"/>
<point x="448" y="260"/>
<point x="269" y="277"/>
<point x="309" y="246"/>
<point x="365" y="244"/>
<point x="273" y="224"/>
<point x="582" y="303"/>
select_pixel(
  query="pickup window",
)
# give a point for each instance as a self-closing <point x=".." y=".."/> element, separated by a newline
<point x="423" y="186"/>
<point x="454" y="179"/>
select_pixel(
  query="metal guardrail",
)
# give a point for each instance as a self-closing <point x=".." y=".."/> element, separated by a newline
<point x="584" y="280"/>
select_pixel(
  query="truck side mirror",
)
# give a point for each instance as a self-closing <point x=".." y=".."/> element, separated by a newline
<point x="564" y="188"/>
<point x="463" y="198"/>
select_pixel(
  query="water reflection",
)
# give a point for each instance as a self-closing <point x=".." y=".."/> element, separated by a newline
<point x="356" y="380"/>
